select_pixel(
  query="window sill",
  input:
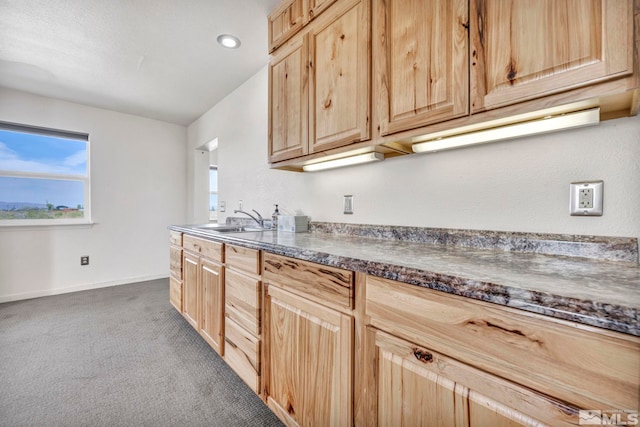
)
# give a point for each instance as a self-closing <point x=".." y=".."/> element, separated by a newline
<point x="57" y="226"/>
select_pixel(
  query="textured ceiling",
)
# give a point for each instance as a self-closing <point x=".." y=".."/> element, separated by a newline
<point x="153" y="58"/>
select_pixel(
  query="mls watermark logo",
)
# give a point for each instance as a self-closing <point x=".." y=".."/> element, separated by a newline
<point x="611" y="417"/>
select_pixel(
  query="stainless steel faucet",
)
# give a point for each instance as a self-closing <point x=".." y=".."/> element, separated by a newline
<point x="259" y="219"/>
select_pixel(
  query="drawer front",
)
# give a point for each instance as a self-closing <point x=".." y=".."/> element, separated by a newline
<point x="585" y="366"/>
<point x="175" y="261"/>
<point x="175" y="293"/>
<point x="326" y="285"/>
<point x="245" y="259"/>
<point x="207" y="248"/>
<point x="175" y="238"/>
<point x="242" y="354"/>
<point x="242" y="296"/>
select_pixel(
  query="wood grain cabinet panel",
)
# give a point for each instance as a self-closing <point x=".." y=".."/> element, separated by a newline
<point x="286" y="20"/>
<point x="190" y="289"/>
<point x="242" y="259"/>
<point x="242" y="296"/>
<point x="419" y="387"/>
<point x="339" y="81"/>
<point x="326" y="285"/>
<point x="527" y="49"/>
<point x="289" y="101"/>
<point x="309" y="361"/>
<point x="209" y="249"/>
<point x="421" y="62"/>
<point x="175" y="293"/>
<point x="211" y="304"/>
<point x="242" y="353"/>
<point x="585" y="366"/>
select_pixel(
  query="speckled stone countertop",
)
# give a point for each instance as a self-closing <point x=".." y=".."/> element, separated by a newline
<point x="586" y="279"/>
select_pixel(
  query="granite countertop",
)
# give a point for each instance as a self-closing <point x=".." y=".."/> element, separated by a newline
<point x="585" y="279"/>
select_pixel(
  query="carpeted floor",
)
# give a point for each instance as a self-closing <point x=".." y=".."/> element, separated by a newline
<point x="119" y="356"/>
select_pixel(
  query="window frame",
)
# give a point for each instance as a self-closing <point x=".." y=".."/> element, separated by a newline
<point x="85" y="179"/>
<point x="213" y="167"/>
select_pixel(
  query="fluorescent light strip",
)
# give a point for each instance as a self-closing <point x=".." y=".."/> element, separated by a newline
<point x="534" y="127"/>
<point x="345" y="161"/>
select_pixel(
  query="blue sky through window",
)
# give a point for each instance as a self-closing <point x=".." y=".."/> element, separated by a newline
<point x="41" y="154"/>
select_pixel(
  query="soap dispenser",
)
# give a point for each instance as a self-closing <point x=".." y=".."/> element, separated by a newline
<point x="274" y="218"/>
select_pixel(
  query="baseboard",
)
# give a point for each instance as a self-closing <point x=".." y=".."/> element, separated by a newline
<point x="57" y="291"/>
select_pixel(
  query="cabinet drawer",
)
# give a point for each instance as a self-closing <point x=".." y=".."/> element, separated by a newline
<point x="582" y="365"/>
<point x="327" y="285"/>
<point x="243" y="300"/>
<point x="242" y="354"/>
<point x="175" y="238"/>
<point x="175" y="293"/>
<point x="244" y="259"/>
<point x="175" y="262"/>
<point x="206" y="248"/>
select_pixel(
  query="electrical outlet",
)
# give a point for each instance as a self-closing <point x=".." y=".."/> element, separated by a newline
<point x="223" y="206"/>
<point x="586" y="198"/>
<point x="347" y="204"/>
<point x="84" y="260"/>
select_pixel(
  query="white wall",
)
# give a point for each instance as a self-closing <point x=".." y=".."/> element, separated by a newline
<point x="519" y="185"/>
<point x="138" y="188"/>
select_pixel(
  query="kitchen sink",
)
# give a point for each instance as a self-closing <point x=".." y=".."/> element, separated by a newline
<point x="223" y="228"/>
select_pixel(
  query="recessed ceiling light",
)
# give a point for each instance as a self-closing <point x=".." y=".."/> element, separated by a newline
<point x="229" y="41"/>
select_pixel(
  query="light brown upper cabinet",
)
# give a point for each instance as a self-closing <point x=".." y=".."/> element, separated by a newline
<point x="285" y="21"/>
<point x="421" y="57"/>
<point x="289" y="101"/>
<point x="532" y="48"/>
<point x="291" y="16"/>
<point x="319" y="84"/>
<point x="339" y="76"/>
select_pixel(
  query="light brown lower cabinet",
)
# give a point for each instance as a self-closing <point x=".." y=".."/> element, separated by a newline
<point x="419" y="387"/>
<point x="243" y="296"/>
<point x="212" y="304"/>
<point x="203" y="289"/>
<point x="309" y="361"/>
<point x="435" y="359"/>
<point x="190" y="306"/>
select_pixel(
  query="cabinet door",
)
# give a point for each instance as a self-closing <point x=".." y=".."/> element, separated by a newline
<point x="421" y="69"/>
<point x="212" y="303"/>
<point x="289" y="101"/>
<point x="530" y="48"/>
<point x="309" y="361"/>
<point x="285" y="21"/>
<point x="190" y="309"/>
<point x="340" y="76"/>
<point x="416" y="386"/>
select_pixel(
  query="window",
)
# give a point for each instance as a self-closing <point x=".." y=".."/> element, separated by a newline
<point x="44" y="176"/>
<point x="213" y="193"/>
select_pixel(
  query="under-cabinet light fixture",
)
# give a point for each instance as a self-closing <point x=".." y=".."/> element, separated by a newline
<point x="345" y="161"/>
<point x="228" y="41"/>
<point x="532" y="127"/>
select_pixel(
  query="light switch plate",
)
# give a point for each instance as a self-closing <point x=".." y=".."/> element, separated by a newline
<point x="585" y="198"/>
<point x="348" y="205"/>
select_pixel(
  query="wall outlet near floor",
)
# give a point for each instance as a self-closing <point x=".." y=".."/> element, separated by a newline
<point x="84" y="260"/>
<point x="585" y="198"/>
<point x="347" y="204"/>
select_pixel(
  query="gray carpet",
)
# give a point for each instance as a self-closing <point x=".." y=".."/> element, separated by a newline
<point x="119" y="356"/>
